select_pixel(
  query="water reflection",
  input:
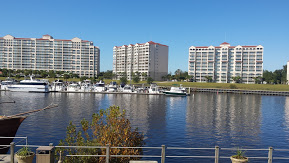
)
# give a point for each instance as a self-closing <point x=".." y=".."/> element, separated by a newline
<point x="228" y="119"/>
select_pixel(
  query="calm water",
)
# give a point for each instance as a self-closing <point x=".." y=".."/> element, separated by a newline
<point x="199" y="120"/>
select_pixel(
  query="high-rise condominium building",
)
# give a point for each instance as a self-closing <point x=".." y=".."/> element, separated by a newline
<point x="76" y="55"/>
<point x="223" y="63"/>
<point x="149" y="59"/>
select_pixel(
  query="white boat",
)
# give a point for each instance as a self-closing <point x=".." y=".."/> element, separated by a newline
<point x="32" y="85"/>
<point x="176" y="91"/>
<point x="99" y="87"/>
<point x="57" y="86"/>
<point x="127" y="89"/>
<point x="112" y="87"/>
<point x="73" y="87"/>
<point x="86" y="86"/>
<point x="154" y="89"/>
<point x="4" y="84"/>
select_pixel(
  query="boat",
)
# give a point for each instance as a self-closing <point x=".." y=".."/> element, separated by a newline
<point x="127" y="89"/>
<point x="73" y="87"/>
<point x="112" y="87"/>
<point x="154" y="89"/>
<point x="4" y="84"/>
<point x="32" y="85"/>
<point x="57" y="86"/>
<point x="99" y="87"/>
<point x="176" y="91"/>
<point x="10" y="124"/>
<point x="86" y="86"/>
<point x="9" y="127"/>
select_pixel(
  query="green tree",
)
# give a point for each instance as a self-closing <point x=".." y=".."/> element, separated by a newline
<point x="144" y="75"/>
<point x="237" y="79"/>
<point x="135" y="77"/>
<point x="83" y="78"/>
<point x="150" y="80"/>
<point x="107" y="74"/>
<point x="109" y="126"/>
<point x="123" y="80"/>
<point x="66" y="76"/>
<point x="17" y="76"/>
<point x="209" y="79"/>
<point x="52" y="74"/>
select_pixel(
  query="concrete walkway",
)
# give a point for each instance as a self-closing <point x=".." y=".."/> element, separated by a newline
<point x="7" y="158"/>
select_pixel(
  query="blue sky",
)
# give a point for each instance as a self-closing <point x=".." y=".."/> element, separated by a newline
<point x="176" y="23"/>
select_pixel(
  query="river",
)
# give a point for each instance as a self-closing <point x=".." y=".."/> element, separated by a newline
<point x="202" y="120"/>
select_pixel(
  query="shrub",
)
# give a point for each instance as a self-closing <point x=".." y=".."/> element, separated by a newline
<point x="107" y="127"/>
<point x="233" y="86"/>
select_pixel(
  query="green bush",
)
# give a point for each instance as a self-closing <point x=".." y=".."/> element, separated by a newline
<point x="233" y="86"/>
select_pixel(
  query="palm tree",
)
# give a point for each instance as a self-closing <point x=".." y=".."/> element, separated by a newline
<point x="236" y="79"/>
<point x="209" y="79"/>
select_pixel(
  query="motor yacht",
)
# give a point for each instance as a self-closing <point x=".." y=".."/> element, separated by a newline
<point x="32" y="85"/>
<point x="99" y="87"/>
<point x="86" y="86"/>
<point x="73" y="87"/>
<point x="127" y="89"/>
<point x="154" y="89"/>
<point x="112" y="87"/>
<point x="4" y="84"/>
<point x="57" y="86"/>
<point x="176" y="91"/>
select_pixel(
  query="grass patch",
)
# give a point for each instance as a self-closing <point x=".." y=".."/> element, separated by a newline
<point x="269" y="87"/>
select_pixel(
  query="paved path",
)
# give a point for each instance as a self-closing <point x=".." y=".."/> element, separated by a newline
<point x="6" y="158"/>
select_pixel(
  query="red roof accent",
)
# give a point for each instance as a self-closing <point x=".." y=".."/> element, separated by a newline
<point x="224" y="43"/>
<point x="46" y="35"/>
<point x="191" y="61"/>
<point x="202" y="47"/>
<point x="22" y="38"/>
<point x="151" y="42"/>
<point x="260" y="61"/>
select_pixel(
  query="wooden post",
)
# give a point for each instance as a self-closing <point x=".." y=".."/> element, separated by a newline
<point x="107" y="153"/>
<point x="163" y="154"/>
<point x="270" y="155"/>
<point x="217" y="153"/>
<point x="12" y="145"/>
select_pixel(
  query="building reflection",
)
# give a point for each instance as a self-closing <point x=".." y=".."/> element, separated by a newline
<point x="146" y="112"/>
<point x="225" y="119"/>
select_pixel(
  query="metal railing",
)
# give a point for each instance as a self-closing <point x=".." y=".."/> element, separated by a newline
<point x="163" y="151"/>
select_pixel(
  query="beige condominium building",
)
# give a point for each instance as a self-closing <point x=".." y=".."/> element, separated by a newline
<point x="46" y="53"/>
<point x="149" y="59"/>
<point x="222" y="63"/>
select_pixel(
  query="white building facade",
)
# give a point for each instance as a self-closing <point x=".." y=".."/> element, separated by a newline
<point x="149" y="59"/>
<point x="76" y="55"/>
<point x="224" y="62"/>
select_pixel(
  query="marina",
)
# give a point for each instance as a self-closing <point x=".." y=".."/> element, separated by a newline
<point x="225" y="120"/>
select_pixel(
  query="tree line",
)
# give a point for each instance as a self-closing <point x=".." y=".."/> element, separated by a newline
<point x="278" y="76"/>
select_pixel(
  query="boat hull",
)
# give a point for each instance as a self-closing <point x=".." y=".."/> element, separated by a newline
<point x="9" y="127"/>
<point x="175" y="94"/>
<point x="28" y="88"/>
